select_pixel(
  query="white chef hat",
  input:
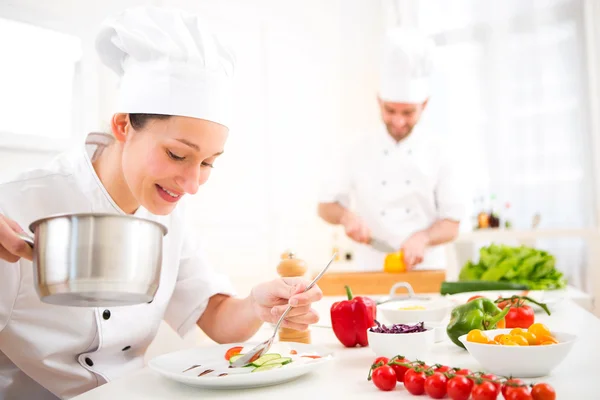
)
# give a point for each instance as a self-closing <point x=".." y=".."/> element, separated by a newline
<point x="169" y="63"/>
<point x="406" y="67"/>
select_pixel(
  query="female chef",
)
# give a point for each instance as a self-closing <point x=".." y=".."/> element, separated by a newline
<point x="405" y="187"/>
<point x="169" y="129"/>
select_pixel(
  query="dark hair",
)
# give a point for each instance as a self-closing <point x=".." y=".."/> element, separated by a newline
<point x="139" y="121"/>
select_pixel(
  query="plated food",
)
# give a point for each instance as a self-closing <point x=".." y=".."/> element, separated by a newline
<point x="210" y="367"/>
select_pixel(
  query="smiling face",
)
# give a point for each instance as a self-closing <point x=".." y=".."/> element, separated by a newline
<point x="165" y="159"/>
<point x="400" y="118"/>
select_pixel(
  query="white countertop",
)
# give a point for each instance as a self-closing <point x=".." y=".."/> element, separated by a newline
<point x="345" y="377"/>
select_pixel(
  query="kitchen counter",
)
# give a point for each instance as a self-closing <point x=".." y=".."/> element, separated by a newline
<point x="345" y="376"/>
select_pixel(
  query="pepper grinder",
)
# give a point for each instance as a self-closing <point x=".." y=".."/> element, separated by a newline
<point x="290" y="266"/>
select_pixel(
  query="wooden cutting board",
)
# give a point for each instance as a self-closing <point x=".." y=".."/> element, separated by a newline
<point x="367" y="283"/>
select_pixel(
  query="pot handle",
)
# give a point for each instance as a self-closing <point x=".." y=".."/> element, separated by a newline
<point x="27" y="238"/>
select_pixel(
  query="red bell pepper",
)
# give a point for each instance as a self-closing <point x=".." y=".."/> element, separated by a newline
<point x="351" y="318"/>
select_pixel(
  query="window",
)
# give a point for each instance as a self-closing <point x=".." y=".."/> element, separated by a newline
<point x="38" y="84"/>
<point x="513" y="90"/>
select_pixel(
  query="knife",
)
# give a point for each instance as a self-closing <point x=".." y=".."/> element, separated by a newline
<point x="380" y="245"/>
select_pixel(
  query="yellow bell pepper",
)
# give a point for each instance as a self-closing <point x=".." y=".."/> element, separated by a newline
<point x="394" y="263"/>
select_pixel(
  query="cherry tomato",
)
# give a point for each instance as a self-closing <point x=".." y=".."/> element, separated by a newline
<point x="414" y="382"/>
<point x="474" y="297"/>
<point x="293" y="352"/>
<point x="400" y="370"/>
<point x="459" y="388"/>
<point x="539" y="329"/>
<point x="435" y="385"/>
<point x="507" y="385"/>
<point x="546" y="338"/>
<point x="543" y="391"/>
<point x="383" y="360"/>
<point x="519" y="393"/>
<point x="476" y="336"/>
<point x="520" y="316"/>
<point x="493" y="377"/>
<point x="232" y="352"/>
<point x="464" y="371"/>
<point x="441" y="368"/>
<point x="503" y="339"/>
<point x="520" y="340"/>
<point x="485" y="391"/>
<point x="502" y="305"/>
<point x="384" y="378"/>
<point x="530" y="337"/>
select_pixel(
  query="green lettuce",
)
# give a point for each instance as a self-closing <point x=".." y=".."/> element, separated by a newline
<point x="532" y="267"/>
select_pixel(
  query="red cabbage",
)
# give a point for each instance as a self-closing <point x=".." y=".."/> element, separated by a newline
<point x="398" y="328"/>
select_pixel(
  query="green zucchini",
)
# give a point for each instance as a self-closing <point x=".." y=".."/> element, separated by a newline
<point x="281" y="360"/>
<point x="266" y="367"/>
<point x="476" y="286"/>
<point x="264" y="358"/>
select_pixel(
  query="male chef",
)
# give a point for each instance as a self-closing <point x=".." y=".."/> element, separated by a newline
<point x="398" y="187"/>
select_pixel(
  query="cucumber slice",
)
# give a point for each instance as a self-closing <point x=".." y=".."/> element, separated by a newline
<point x="266" y="367"/>
<point x="281" y="360"/>
<point x="264" y="358"/>
<point x="234" y="357"/>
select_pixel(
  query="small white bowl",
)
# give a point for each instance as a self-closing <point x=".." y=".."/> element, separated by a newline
<point x="413" y="346"/>
<point x="520" y="361"/>
<point x="435" y="310"/>
<point x="439" y="329"/>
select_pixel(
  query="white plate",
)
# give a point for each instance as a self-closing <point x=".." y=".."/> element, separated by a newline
<point x="173" y="365"/>
<point x="551" y="297"/>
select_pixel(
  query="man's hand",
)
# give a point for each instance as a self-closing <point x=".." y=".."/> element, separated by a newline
<point x="414" y="249"/>
<point x="355" y="227"/>
<point x="270" y="300"/>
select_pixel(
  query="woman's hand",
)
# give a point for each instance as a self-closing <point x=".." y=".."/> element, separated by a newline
<point x="12" y="248"/>
<point x="271" y="299"/>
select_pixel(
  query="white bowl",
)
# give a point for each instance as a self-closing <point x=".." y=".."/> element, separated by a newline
<point x="439" y="329"/>
<point x="520" y="361"/>
<point x="435" y="310"/>
<point x="413" y="346"/>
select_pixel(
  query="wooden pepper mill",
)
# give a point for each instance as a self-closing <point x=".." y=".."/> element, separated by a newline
<point x="288" y="267"/>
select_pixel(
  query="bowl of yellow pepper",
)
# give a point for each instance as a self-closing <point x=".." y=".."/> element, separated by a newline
<point x="522" y="353"/>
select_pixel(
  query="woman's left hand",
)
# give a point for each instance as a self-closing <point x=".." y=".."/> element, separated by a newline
<point x="271" y="299"/>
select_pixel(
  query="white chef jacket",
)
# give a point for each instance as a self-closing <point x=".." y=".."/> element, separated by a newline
<point x="49" y="351"/>
<point x="398" y="188"/>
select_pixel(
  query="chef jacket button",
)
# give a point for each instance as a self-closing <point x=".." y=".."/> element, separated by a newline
<point x="409" y="151"/>
<point x="407" y="210"/>
<point x="407" y="182"/>
<point x="385" y="152"/>
<point x="125" y="348"/>
<point x="382" y="213"/>
<point x="89" y="361"/>
<point x="383" y="183"/>
<point x="106" y="314"/>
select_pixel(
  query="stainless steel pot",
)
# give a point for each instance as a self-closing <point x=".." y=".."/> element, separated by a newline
<point x="96" y="260"/>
